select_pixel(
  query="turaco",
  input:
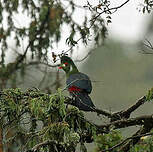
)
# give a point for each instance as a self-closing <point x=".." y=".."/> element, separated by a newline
<point x="78" y="84"/>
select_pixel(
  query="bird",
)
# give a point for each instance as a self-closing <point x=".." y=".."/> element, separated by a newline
<point x="78" y="84"/>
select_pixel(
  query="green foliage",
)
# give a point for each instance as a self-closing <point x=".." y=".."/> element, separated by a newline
<point x="70" y="40"/>
<point x="40" y="117"/>
<point x="145" y="145"/>
<point x="149" y="96"/>
<point x="34" y="117"/>
<point x="106" y="141"/>
<point x="83" y="148"/>
<point x="45" y="105"/>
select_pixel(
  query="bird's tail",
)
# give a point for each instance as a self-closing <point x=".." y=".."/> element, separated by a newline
<point x="83" y="101"/>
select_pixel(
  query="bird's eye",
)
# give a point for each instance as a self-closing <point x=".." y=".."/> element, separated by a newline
<point x="66" y="63"/>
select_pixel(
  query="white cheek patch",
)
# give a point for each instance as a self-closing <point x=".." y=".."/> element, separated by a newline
<point x="63" y="65"/>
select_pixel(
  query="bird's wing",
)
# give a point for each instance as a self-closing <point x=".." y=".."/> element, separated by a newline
<point x="79" y="80"/>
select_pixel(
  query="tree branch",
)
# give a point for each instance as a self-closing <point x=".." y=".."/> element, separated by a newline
<point x="125" y="140"/>
<point x="20" y="58"/>
<point x="136" y="137"/>
<point x="127" y="112"/>
<point x="117" y="115"/>
<point x="142" y="120"/>
<point x="109" y="9"/>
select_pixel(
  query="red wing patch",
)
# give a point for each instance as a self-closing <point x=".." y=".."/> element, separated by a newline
<point x="73" y="89"/>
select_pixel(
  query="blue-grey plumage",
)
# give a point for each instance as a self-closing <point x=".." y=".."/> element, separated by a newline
<point x="83" y="101"/>
<point x="78" y="85"/>
<point x="79" y="80"/>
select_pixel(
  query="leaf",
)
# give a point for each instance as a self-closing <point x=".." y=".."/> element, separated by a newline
<point x="109" y="17"/>
<point x="83" y="148"/>
<point x="43" y="13"/>
<point x="144" y="9"/>
<point x="109" y="21"/>
<point x="54" y="57"/>
<point x="99" y="6"/>
<point x="149" y="96"/>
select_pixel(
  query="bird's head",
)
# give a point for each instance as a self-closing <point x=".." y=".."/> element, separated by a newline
<point x="67" y="64"/>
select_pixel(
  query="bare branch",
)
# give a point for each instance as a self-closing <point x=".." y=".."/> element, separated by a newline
<point x="127" y="112"/>
<point x="103" y="112"/>
<point x="109" y="9"/>
<point x="129" y="122"/>
<point x="148" y="46"/>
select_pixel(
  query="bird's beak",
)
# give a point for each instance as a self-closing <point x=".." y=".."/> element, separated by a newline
<point x="61" y="66"/>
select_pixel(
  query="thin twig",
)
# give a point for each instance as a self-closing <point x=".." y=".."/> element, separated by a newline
<point x="47" y="142"/>
<point x="127" y="112"/>
<point x="109" y="9"/>
<point x="93" y="21"/>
